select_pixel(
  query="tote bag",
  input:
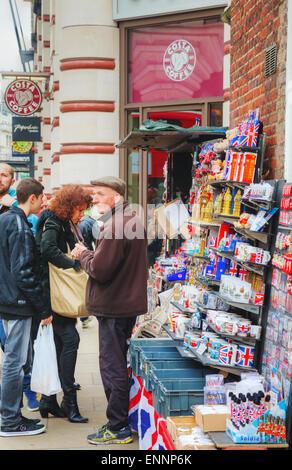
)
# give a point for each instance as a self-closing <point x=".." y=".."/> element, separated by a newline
<point x="44" y="374"/>
<point x="67" y="290"/>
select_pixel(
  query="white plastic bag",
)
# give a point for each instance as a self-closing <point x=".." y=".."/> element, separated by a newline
<point x="44" y="375"/>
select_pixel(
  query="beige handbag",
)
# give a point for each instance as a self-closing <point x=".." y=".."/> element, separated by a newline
<point x="67" y="289"/>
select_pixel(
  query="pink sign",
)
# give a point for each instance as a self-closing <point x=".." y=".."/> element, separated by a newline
<point x="176" y="62"/>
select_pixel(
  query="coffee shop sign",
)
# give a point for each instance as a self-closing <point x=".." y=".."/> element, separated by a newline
<point x="179" y="60"/>
<point x="23" y="97"/>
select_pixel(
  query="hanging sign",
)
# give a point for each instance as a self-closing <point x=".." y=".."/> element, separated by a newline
<point x="21" y="148"/>
<point x="23" y="97"/>
<point x="26" y="129"/>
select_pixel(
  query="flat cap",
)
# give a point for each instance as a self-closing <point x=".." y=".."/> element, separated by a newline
<point x="117" y="184"/>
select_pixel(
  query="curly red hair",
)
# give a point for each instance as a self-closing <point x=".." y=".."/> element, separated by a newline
<point x="69" y="197"/>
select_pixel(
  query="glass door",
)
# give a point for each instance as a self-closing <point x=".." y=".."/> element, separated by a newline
<point x="157" y="159"/>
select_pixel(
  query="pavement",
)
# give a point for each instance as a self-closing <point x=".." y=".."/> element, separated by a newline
<point x="60" y="433"/>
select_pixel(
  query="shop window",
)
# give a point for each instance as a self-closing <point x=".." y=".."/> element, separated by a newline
<point x="176" y="61"/>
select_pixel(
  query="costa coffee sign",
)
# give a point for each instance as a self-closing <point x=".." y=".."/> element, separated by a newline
<point x="23" y="97"/>
<point x="179" y="60"/>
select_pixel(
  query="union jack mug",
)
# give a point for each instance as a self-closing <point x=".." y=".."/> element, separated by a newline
<point x="245" y="355"/>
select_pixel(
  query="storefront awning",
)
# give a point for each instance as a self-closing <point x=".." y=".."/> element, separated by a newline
<point x="170" y="141"/>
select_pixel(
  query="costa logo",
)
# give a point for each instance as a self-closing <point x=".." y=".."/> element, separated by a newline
<point x="179" y="60"/>
<point x="23" y="97"/>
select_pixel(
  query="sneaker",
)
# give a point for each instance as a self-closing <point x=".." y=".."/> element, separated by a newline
<point x="25" y="428"/>
<point x="33" y="400"/>
<point x="105" y="436"/>
<point x="29" y="420"/>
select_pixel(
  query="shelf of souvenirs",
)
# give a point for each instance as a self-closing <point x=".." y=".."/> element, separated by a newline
<point x="245" y="264"/>
<point x="259" y="236"/>
<point x="207" y="281"/>
<point x="172" y="334"/>
<point x="206" y="361"/>
<point x="203" y="223"/>
<point x="248" y="307"/>
<point x="231" y="183"/>
<point x="244" y="148"/>
<point x="183" y="309"/>
<point x="235" y="338"/>
<point x="257" y="203"/>
<point x="197" y="256"/>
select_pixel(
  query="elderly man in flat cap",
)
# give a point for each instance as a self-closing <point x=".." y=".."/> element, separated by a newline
<point x="116" y="294"/>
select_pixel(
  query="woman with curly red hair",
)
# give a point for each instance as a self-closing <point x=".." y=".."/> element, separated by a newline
<point x="57" y="229"/>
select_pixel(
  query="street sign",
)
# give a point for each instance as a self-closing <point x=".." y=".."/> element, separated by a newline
<point x="23" y="97"/>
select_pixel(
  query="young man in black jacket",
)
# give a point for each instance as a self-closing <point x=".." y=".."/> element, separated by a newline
<point x="21" y="297"/>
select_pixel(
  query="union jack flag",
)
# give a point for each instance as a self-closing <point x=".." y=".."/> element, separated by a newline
<point x="254" y="128"/>
<point x="243" y="328"/>
<point x="233" y="269"/>
<point x="242" y="274"/>
<point x="249" y="140"/>
<point x="135" y="397"/>
<point x="143" y="418"/>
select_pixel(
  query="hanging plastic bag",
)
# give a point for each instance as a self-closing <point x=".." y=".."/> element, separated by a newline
<point x="44" y="375"/>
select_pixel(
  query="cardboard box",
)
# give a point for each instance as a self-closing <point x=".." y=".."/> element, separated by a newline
<point x="195" y="444"/>
<point x="177" y="425"/>
<point x="212" y="417"/>
<point x="186" y="434"/>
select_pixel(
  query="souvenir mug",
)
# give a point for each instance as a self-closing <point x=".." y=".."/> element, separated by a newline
<point x="228" y="354"/>
<point x="195" y="340"/>
<point x="243" y="327"/>
<point x="252" y="252"/>
<point x="245" y="355"/>
<point x="230" y="327"/>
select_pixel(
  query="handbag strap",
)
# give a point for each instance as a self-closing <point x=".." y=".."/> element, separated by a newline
<point x="76" y="232"/>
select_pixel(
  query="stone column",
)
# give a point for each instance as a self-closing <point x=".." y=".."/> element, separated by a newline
<point x="88" y="90"/>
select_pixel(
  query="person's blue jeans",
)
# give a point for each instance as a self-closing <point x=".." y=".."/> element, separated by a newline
<point x="2" y="335"/>
<point x="17" y="359"/>
<point x="27" y="373"/>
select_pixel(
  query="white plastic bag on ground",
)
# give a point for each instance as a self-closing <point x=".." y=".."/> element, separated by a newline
<point x="44" y="375"/>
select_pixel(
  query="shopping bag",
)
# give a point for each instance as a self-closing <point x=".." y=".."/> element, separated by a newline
<point x="44" y="374"/>
<point x="67" y="290"/>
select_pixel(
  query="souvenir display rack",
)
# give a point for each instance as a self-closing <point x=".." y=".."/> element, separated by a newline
<point x="211" y="221"/>
<point x="226" y="210"/>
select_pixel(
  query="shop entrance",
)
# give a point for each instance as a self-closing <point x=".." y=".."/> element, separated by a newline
<point x="157" y="160"/>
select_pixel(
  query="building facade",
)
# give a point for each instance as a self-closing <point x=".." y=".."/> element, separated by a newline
<point x="114" y="64"/>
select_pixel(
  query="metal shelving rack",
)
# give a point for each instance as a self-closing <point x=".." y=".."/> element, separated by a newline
<point x="256" y="313"/>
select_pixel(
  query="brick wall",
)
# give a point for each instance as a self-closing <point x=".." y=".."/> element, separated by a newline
<point x="256" y="25"/>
